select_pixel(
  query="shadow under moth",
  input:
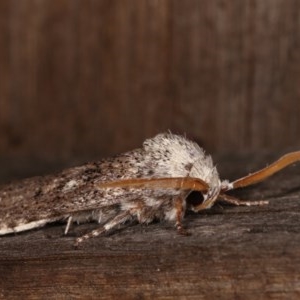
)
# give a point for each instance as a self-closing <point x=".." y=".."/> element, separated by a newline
<point x="152" y="182"/>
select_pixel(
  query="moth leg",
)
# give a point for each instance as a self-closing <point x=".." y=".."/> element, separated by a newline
<point x="117" y="220"/>
<point x="238" y="202"/>
<point x="180" y="210"/>
<point x="68" y="224"/>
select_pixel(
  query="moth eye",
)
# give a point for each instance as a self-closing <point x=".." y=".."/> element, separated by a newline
<point x="194" y="199"/>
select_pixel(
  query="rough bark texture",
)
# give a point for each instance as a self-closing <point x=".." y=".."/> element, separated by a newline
<point x="233" y="252"/>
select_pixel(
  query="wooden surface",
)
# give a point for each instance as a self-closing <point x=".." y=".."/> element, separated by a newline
<point x="233" y="252"/>
<point x="88" y="79"/>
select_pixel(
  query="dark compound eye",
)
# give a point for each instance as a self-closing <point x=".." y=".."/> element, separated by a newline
<point x="194" y="199"/>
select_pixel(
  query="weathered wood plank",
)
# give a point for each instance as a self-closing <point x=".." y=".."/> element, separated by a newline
<point x="93" y="78"/>
<point x="233" y="252"/>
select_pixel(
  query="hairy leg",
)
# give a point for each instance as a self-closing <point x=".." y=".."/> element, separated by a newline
<point x="117" y="220"/>
<point x="180" y="210"/>
<point x="238" y="202"/>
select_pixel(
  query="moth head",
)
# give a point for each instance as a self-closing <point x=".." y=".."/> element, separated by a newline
<point x="213" y="193"/>
<point x="206" y="199"/>
<point x="210" y="191"/>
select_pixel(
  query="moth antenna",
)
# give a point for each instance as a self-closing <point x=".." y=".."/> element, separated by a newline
<point x="266" y="172"/>
<point x="182" y="183"/>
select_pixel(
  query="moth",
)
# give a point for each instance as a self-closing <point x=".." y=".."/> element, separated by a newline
<point x="148" y="183"/>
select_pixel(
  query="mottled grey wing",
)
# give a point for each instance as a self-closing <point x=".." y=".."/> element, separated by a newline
<point x="73" y="190"/>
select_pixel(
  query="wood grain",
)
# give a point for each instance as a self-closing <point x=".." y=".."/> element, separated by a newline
<point x="81" y="80"/>
<point x="233" y="252"/>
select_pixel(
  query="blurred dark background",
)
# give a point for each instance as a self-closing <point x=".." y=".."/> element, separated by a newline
<point x="81" y="80"/>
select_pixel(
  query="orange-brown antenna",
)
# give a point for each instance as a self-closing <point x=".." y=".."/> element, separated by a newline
<point x="183" y="183"/>
<point x="268" y="171"/>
